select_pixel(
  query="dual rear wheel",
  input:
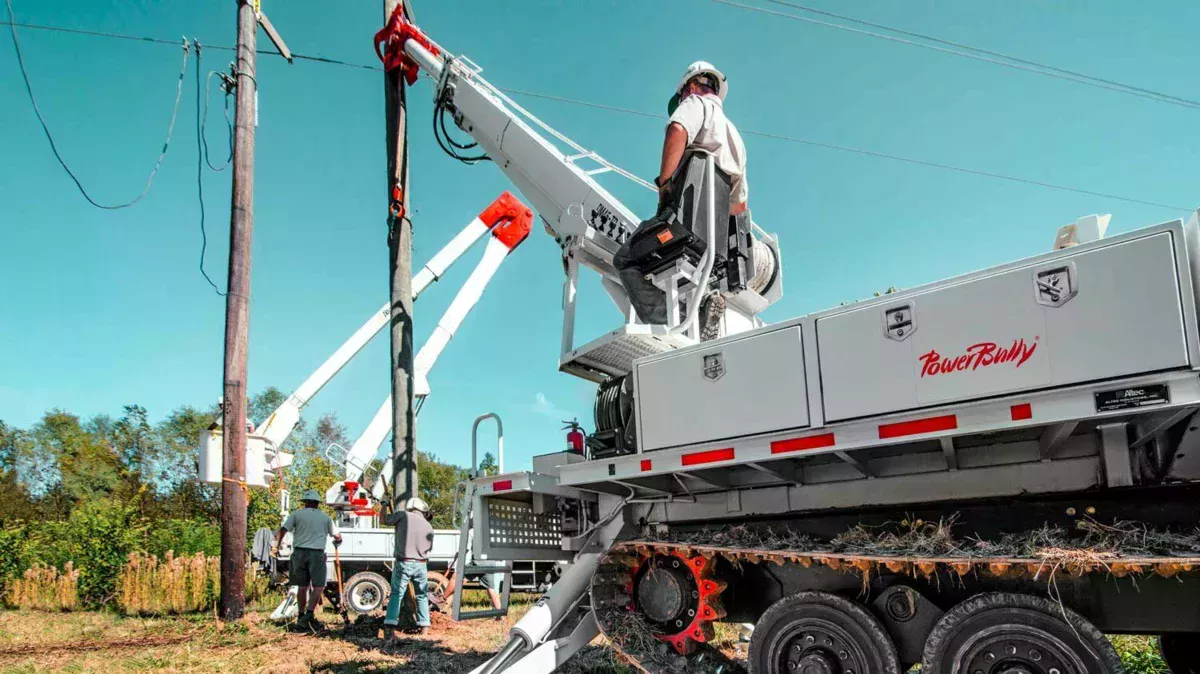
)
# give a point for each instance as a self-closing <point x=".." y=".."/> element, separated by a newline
<point x="822" y="633"/>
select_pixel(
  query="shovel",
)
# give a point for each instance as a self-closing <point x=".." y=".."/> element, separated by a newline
<point x="337" y="566"/>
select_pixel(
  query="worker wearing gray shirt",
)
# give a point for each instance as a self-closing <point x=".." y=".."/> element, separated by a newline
<point x="412" y="563"/>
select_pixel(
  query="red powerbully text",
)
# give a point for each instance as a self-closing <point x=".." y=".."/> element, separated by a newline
<point x="983" y="354"/>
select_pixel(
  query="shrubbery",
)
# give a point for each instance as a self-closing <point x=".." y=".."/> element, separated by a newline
<point x="96" y="540"/>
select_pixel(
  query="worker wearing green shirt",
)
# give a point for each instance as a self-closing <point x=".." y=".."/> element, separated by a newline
<point x="309" y="527"/>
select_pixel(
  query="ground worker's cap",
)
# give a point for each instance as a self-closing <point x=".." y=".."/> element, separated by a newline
<point x="311" y="495"/>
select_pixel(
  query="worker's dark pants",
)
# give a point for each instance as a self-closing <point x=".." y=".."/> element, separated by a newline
<point x="649" y="302"/>
<point x="647" y="299"/>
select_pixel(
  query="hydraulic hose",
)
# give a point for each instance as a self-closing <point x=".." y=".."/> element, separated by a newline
<point x="710" y="252"/>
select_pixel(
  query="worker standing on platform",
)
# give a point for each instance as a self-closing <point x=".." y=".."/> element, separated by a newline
<point x="307" y="569"/>
<point x="697" y="121"/>
<point x="412" y="564"/>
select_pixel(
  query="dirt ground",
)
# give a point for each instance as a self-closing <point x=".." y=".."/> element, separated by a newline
<point x="106" y="643"/>
<point x="87" y="642"/>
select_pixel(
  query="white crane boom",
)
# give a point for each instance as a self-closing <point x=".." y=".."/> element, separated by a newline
<point x="505" y="217"/>
<point x="505" y="238"/>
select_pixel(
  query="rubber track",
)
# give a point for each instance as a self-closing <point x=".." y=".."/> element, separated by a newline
<point x="609" y="596"/>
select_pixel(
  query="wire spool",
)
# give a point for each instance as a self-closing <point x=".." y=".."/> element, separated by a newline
<point x="766" y="268"/>
<point x="614" y="405"/>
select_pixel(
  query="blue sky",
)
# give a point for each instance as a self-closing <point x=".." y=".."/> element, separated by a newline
<point x="99" y="309"/>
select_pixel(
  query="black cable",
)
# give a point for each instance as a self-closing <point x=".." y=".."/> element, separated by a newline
<point x="201" y="158"/>
<point x="204" y="118"/>
<point x="1168" y="98"/>
<point x="439" y="128"/>
<point x="600" y="106"/>
<point x="453" y="142"/>
<point x="872" y="153"/>
<point x="1045" y="71"/>
<point x="50" y="137"/>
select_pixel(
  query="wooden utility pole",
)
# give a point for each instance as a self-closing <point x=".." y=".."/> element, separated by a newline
<point x="237" y="326"/>
<point x="404" y="451"/>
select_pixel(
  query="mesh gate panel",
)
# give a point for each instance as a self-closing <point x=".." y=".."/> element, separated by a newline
<point x="512" y="524"/>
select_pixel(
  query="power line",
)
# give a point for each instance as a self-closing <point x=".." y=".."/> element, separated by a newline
<point x="1045" y="71"/>
<point x="1017" y="59"/>
<point x="154" y="40"/>
<point x="873" y="153"/>
<point x="201" y="159"/>
<point x="50" y="137"/>
<point x="762" y="134"/>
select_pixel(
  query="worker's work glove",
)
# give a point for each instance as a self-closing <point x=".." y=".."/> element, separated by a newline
<point x="337" y="542"/>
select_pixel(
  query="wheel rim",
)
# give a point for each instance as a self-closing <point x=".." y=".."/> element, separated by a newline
<point x="366" y="597"/>
<point x="820" y="646"/>
<point x="1017" y="649"/>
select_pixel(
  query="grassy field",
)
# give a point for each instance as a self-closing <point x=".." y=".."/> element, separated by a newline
<point x="101" y="642"/>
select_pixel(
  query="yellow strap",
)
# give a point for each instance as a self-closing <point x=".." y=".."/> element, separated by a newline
<point x="240" y="483"/>
<point x="257" y="7"/>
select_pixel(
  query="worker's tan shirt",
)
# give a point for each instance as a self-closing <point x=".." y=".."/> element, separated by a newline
<point x="703" y="118"/>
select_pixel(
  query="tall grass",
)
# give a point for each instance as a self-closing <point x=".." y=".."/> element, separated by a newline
<point x="46" y="588"/>
<point x="183" y="584"/>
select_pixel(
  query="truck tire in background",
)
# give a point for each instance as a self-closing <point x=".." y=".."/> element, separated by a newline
<point x="366" y="591"/>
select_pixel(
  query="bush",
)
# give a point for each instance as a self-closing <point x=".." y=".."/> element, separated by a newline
<point x="183" y="537"/>
<point x="99" y="538"/>
<point x="12" y="541"/>
<point x="44" y="588"/>
<point x="174" y="585"/>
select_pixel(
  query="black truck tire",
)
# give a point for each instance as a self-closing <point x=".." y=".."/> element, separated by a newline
<point x="1031" y="633"/>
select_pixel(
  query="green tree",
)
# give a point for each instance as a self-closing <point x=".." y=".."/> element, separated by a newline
<point x="436" y="482"/>
<point x="87" y="467"/>
<point x="488" y="465"/>
<point x="173" y="469"/>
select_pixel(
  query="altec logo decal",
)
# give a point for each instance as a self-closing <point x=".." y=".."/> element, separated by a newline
<point x="983" y="354"/>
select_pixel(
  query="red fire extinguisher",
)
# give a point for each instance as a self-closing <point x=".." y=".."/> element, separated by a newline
<point x="574" y="436"/>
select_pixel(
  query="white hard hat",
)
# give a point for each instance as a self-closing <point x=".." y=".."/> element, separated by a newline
<point x="417" y="503"/>
<point x="704" y="68"/>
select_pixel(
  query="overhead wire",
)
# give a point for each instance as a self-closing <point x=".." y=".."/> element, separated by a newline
<point x="749" y="132"/>
<point x="872" y="153"/>
<point x="201" y="159"/>
<point x="959" y="45"/>
<point x="204" y="116"/>
<point x="50" y="137"/>
<point x="1055" y="73"/>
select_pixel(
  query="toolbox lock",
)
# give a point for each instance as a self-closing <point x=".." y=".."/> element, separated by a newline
<point x="899" y="322"/>
<point x="1055" y="286"/>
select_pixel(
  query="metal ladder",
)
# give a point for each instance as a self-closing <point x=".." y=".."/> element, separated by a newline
<point x="462" y="510"/>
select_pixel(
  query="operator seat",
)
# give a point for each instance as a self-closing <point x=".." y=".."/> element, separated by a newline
<point x="679" y="230"/>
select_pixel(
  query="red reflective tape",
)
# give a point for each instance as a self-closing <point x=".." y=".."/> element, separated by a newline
<point x="799" y="444"/>
<point x="1022" y="412"/>
<point x="710" y="456"/>
<point x="502" y="485"/>
<point x="918" y="426"/>
<point x="646" y="464"/>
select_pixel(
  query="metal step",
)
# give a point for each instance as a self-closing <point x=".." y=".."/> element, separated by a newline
<point x="612" y="355"/>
